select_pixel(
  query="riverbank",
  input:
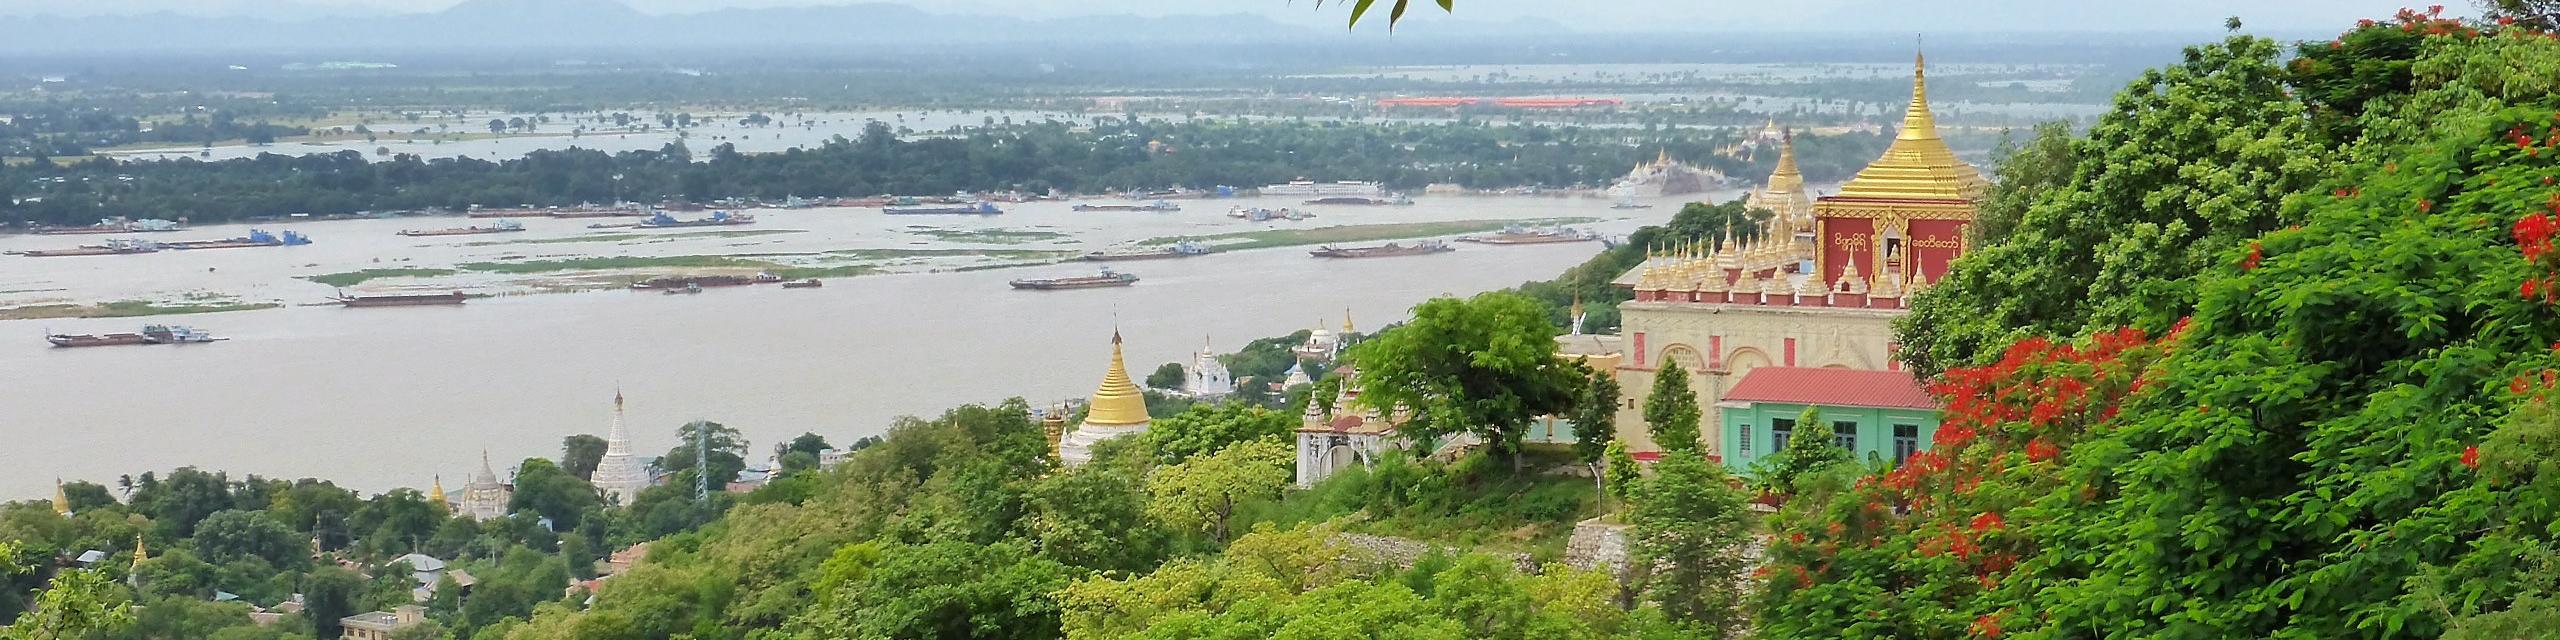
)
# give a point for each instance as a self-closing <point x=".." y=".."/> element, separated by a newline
<point x="125" y="309"/>
<point x="1277" y="238"/>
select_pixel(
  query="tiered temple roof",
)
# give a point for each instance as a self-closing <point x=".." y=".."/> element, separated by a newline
<point x="1899" y="212"/>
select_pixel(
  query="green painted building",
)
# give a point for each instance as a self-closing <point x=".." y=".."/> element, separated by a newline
<point x="1884" y="414"/>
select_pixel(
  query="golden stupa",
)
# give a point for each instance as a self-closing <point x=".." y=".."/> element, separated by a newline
<point x="1918" y="165"/>
<point x="435" y="493"/>
<point x="61" y="499"/>
<point x="1118" y="401"/>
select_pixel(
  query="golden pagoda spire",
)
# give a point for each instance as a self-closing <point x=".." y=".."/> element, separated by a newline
<point x="139" y="553"/>
<point x="61" y="499"/>
<point x="1346" y="321"/>
<point x="1786" y="177"/>
<point x="435" y="492"/>
<point x="1917" y="122"/>
<point x="1918" y="164"/>
<point x="1118" y="401"/>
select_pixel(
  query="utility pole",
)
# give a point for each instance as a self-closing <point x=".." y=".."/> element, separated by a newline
<point x="701" y="460"/>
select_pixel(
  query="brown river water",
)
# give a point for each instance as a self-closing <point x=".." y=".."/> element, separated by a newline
<point x="388" y="397"/>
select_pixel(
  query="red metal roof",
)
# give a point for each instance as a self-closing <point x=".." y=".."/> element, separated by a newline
<point x="1832" y="387"/>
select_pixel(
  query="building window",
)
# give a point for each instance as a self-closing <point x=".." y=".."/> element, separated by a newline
<point x="1743" y="447"/>
<point x="1845" y="434"/>
<point x="1781" y="430"/>
<point x="1906" y="441"/>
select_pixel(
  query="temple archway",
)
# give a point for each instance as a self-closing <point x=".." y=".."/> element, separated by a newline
<point x="1684" y="356"/>
<point x="1744" y="360"/>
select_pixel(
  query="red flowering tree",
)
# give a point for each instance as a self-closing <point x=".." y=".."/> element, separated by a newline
<point x="2351" y="436"/>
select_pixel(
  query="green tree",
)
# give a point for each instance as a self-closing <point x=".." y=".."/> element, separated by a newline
<point x="809" y="443"/>
<point x="1169" y="376"/>
<point x="1623" y="473"/>
<point x="85" y="496"/>
<point x="398" y="519"/>
<point x="728" y="454"/>
<point x="1095" y="517"/>
<point x="330" y="593"/>
<point x="1671" y="413"/>
<point x="1692" y="527"/>
<point x="2028" y="170"/>
<point x="945" y="590"/>
<point x="1208" y="428"/>
<point x="1809" y="452"/>
<point x="546" y="489"/>
<point x="1485" y="365"/>
<point x="1201" y="494"/>
<point x="234" y="534"/>
<point x="1595" y="419"/>
<point x="579" y="454"/>
<point x="2159" y="187"/>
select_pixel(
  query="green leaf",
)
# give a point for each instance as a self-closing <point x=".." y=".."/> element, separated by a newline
<point x="1358" y="9"/>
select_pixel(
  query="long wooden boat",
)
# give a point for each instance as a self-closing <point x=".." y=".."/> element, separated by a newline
<point x="403" y="300"/>
<point x="85" y="340"/>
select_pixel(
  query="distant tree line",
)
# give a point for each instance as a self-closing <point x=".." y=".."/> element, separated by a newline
<point x="1109" y="154"/>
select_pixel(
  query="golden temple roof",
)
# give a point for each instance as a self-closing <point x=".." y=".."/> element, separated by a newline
<point x="1918" y="164"/>
<point x="1118" y="401"/>
<point x="61" y="499"/>
<point x="435" y="493"/>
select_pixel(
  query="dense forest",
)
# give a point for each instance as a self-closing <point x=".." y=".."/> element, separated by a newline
<point x="1109" y="155"/>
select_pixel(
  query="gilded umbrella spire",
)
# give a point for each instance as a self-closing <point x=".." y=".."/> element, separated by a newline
<point x="1918" y="165"/>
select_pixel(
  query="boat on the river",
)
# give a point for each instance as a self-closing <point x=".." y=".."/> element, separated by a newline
<point x="502" y="226"/>
<point x="87" y="340"/>
<point x="1184" y="249"/>
<point x="1387" y="250"/>
<point x="402" y="300"/>
<point x="1525" y="235"/>
<point x="111" y="225"/>
<point x="1259" y="214"/>
<point x="1305" y="187"/>
<point x="1107" y="278"/>
<point x="1362" y="201"/>
<point x="811" y="283"/>
<point x="981" y="208"/>
<point x="717" y="219"/>
<point x="681" y="282"/>
<point x="689" y="287"/>
<point x="256" y="238"/>
<point x="518" y="212"/>
<point x="114" y="247"/>
<point x="1159" y="205"/>
<point x="176" y="334"/>
<point x="601" y="212"/>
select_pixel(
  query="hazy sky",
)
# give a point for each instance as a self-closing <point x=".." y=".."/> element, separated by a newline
<point x="1597" y="15"/>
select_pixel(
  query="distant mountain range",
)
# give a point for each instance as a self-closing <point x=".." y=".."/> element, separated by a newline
<point x="573" y="25"/>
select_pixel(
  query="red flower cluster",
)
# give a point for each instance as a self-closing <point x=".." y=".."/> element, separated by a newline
<point x="1987" y="626"/>
<point x="2533" y="234"/>
<point x="2256" y="252"/>
<point x="1988" y="522"/>
<point x="2471" y="456"/>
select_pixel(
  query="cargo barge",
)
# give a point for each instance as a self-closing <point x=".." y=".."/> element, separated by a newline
<point x="1158" y="205"/>
<point x="256" y="238"/>
<point x="1387" y="250"/>
<point x="1516" y="235"/>
<point x="1107" y="278"/>
<point x="116" y="247"/>
<point x="403" y="300"/>
<point x="717" y="219"/>
<point x="1362" y="201"/>
<point x="978" y="209"/>
<point x="503" y="226"/>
